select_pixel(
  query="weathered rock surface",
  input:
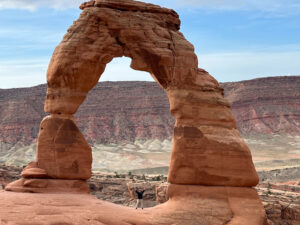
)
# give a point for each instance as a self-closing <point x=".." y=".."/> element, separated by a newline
<point x="282" y="207"/>
<point x="84" y="209"/>
<point x="33" y="171"/>
<point x="48" y="186"/>
<point x="62" y="150"/>
<point x="207" y="147"/>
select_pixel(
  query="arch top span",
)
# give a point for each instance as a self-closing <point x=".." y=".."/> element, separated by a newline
<point x="146" y="33"/>
<point x="130" y="5"/>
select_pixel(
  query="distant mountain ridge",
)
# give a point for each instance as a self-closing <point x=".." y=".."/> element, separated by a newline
<point x="126" y="111"/>
<point x="266" y="105"/>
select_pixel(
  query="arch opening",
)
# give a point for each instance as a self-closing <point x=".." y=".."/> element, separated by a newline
<point x="119" y="70"/>
<point x="130" y="126"/>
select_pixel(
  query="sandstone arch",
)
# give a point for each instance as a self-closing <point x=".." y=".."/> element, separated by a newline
<point x="208" y="149"/>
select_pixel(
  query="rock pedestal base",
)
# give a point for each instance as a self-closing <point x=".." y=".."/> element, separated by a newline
<point x="215" y="205"/>
<point x="188" y="205"/>
<point x="48" y="186"/>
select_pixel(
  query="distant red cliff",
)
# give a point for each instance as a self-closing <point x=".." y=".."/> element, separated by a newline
<point x="266" y="105"/>
<point x="118" y="111"/>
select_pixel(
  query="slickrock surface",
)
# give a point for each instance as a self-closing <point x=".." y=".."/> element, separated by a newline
<point x="281" y="202"/>
<point x="217" y="209"/>
<point x="26" y="208"/>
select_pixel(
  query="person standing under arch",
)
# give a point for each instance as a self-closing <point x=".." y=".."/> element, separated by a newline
<point x="139" y="201"/>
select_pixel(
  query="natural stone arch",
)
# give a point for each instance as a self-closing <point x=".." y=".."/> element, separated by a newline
<point x="207" y="147"/>
<point x="152" y="40"/>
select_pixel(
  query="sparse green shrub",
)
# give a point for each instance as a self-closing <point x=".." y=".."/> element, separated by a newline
<point x="157" y="178"/>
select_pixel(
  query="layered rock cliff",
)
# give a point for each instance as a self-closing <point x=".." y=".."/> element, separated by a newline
<point x="266" y="105"/>
<point x="21" y="110"/>
<point x="126" y="110"/>
<point x="118" y="111"/>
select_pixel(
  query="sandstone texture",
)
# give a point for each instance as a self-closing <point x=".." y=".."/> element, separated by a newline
<point x="62" y="150"/>
<point x="36" y="208"/>
<point x="211" y="171"/>
<point x="33" y="171"/>
<point x="208" y="148"/>
<point x="48" y="186"/>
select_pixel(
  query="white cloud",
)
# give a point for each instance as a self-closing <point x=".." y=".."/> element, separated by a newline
<point x="34" y="4"/>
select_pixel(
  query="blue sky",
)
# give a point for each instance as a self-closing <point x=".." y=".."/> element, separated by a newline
<point x="234" y="40"/>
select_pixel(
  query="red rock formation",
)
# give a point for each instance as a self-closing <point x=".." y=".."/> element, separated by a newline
<point x="266" y="105"/>
<point x="84" y="209"/>
<point x="59" y="138"/>
<point x="21" y="110"/>
<point x="126" y="111"/>
<point x="207" y="147"/>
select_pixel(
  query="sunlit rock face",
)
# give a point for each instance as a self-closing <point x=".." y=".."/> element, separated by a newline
<point x="207" y="147"/>
<point x="62" y="150"/>
<point x="205" y="134"/>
